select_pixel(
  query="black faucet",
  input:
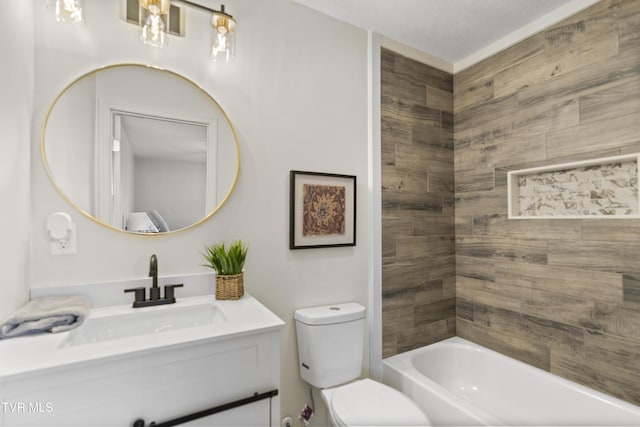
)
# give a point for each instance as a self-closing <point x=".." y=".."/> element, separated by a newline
<point x="154" y="291"/>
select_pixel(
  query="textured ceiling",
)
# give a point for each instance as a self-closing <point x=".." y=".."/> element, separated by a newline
<point x="451" y="30"/>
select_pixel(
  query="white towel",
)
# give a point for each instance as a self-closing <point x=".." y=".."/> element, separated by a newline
<point x="46" y="314"/>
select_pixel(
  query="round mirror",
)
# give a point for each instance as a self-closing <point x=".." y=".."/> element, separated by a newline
<point x="140" y="149"/>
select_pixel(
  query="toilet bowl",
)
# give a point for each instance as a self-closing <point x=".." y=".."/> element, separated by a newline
<point x="330" y="349"/>
<point x="370" y="403"/>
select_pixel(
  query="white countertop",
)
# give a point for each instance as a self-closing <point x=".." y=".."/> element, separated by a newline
<point x="33" y="354"/>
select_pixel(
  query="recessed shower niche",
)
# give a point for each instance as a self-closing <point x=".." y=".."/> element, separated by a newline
<point x="598" y="188"/>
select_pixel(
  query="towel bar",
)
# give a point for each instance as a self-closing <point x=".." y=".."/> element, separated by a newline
<point x="206" y="412"/>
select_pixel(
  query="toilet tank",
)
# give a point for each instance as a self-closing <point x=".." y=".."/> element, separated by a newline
<point x="330" y="343"/>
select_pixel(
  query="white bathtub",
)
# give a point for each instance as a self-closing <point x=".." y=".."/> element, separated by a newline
<point x="459" y="383"/>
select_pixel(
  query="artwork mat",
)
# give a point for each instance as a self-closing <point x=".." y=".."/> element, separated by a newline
<point x="297" y="181"/>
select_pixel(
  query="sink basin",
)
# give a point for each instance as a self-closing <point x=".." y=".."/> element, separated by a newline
<point x="144" y="321"/>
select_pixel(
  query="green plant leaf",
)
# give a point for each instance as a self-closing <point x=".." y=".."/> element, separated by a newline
<point x="226" y="261"/>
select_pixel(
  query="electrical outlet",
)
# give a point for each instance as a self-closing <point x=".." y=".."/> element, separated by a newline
<point x="66" y="245"/>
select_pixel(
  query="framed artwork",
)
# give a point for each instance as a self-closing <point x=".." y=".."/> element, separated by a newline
<point x="322" y="210"/>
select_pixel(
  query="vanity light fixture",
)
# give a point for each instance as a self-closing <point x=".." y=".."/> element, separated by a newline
<point x="155" y="18"/>
<point x="154" y="21"/>
<point x="223" y="38"/>
<point x="69" y="11"/>
<point x="223" y="44"/>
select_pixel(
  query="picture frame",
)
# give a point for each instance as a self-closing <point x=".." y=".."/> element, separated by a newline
<point x="322" y="210"/>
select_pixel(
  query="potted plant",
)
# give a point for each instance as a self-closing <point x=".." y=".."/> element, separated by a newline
<point x="228" y="264"/>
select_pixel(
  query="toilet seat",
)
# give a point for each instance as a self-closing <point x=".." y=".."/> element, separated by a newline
<point x="370" y="403"/>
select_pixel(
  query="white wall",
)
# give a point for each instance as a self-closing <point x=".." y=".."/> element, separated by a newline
<point x="297" y="95"/>
<point x="16" y="96"/>
<point x="175" y="189"/>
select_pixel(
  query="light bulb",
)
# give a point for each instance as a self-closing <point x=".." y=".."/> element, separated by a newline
<point x="153" y="31"/>
<point x="223" y="40"/>
<point x="220" y="47"/>
<point x="154" y="16"/>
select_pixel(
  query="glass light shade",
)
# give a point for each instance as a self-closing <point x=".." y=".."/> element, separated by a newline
<point x="156" y="6"/>
<point x="223" y="43"/>
<point x="223" y="46"/>
<point x="69" y="11"/>
<point x="154" y="17"/>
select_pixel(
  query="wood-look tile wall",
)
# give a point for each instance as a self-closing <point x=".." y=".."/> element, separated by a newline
<point x="418" y="266"/>
<point x="561" y="294"/>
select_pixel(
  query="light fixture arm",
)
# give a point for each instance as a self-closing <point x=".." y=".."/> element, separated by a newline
<point x="201" y="7"/>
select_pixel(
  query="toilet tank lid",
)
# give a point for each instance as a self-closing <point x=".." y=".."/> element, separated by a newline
<point x="327" y="314"/>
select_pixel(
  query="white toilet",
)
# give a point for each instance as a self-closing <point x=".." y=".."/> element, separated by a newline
<point x="330" y="349"/>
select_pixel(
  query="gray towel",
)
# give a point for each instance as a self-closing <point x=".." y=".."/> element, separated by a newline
<point x="46" y="314"/>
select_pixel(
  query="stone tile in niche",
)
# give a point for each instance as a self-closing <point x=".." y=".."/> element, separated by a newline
<point x="607" y="189"/>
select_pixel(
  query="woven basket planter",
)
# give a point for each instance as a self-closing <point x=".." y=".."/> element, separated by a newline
<point x="229" y="287"/>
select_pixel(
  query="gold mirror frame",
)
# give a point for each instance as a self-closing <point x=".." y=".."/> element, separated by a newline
<point x="97" y="220"/>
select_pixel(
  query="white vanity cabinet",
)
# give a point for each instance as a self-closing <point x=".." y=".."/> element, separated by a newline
<point x="155" y="384"/>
